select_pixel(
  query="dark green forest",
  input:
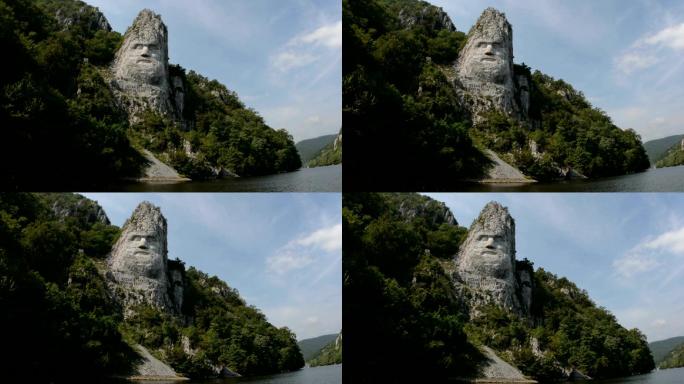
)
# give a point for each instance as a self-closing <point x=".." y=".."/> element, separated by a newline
<point x="673" y="157"/>
<point x="329" y="354"/>
<point x="61" y="325"/>
<point x="62" y="128"/>
<point x="410" y="132"/>
<point x="397" y="252"/>
<point x="674" y="359"/>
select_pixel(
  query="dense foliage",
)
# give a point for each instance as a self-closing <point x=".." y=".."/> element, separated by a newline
<point x="223" y="134"/>
<point x="224" y="332"/>
<point x="60" y="125"/>
<point x="401" y="113"/>
<point x="58" y="322"/>
<point x="61" y="324"/>
<point x="397" y="276"/>
<point x="63" y="129"/>
<point x="401" y="316"/>
<point x="570" y="133"/>
<point x="328" y="355"/>
<point x="409" y="130"/>
<point x="674" y="359"/>
<point x="572" y="332"/>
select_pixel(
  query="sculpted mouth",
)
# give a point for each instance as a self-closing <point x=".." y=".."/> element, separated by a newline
<point x="488" y="59"/>
<point x="144" y="61"/>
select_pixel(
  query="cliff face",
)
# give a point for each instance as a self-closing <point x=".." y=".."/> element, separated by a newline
<point x="138" y="268"/>
<point x="485" y="76"/>
<point x="141" y="70"/>
<point x="486" y="265"/>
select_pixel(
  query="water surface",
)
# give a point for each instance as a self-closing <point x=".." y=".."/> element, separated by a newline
<point x="663" y="376"/>
<point x="318" y="179"/>
<point x="669" y="179"/>
<point x="329" y="374"/>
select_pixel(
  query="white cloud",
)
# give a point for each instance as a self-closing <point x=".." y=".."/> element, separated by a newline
<point x="329" y="239"/>
<point x="651" y="50"/>
<point x="296" y="254"/>
<point x="287" y="60"/>
<point x="634" y="263"/>
<point x="671" y="241"/>
<point x="633" y="61"/>
<point x="309" y="47"/>
<point x="672" y="37"/>
<point x="327" y="35"/>
<point x="287" y="260"/>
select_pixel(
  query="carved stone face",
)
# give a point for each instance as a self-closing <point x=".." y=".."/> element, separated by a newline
<point x="489" y="252"/>
<point x="141" y="252"/>
<point x="143" y="61"/>
<point x="487" y="59"/>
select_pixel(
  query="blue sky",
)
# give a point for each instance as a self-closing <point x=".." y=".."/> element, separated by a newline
<point x="626" y="250"/>
<point x="281" y="251"/>
<point x="283" y="58"/>
<point x="626" y="56"/>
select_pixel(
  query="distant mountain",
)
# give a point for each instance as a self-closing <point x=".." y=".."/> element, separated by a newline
<point x="310" y="347"/>
<point x="656" y="149"/>
<point x="674" y="359"/>
<point x="661" y="348"/>
<point x="330" y="354"/>
<point x="309" y="148"/>
<point x="331" y="154"/>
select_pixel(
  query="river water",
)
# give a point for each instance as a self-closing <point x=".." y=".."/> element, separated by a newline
<point x="669" y="179"/>
<point x="318" y="179"/>
<point x="329" y="374"/>
<point x="663" y="376"/>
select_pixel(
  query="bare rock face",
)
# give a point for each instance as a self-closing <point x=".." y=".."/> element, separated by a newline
<point x="486" y="260"/>
<point x="141" y="69"/>
<point x="485" y="77"/>
<point x="137" y="265"/>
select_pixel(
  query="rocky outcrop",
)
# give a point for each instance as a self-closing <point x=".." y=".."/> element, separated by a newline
<point x="484" y="71"/>
<point x="496" y="370"/>
<point x="138" y="269"/>
<point x="159" y="172"/>
<point x="86" y="211"/>
<point x="503" y="173"/>
<point x="140" y="70"/>
<point x="434" y="212"/>
<point x="486" y="261"/>
<point x="428" y="15"/>
<point x="151" y="368"/>
<point x="79" y="13"/>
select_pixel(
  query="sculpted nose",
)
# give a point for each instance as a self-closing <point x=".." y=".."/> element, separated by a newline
<point x="143" y="243"/>
<point x="490" y="243"/>
<point x="145" y="51"/>
<point x="489" y="49"/>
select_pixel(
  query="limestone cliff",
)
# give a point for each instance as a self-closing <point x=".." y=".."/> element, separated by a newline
<point x="138" y="268"/>
<point x="487" y="271"/>
<point x="140" y="69"/>
<point x="485" y="76"/>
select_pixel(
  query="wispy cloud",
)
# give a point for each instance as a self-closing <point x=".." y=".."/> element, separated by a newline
<point x="308" y="47"/>
<point x="651" y="49"/>
<point x="297" y="253"/>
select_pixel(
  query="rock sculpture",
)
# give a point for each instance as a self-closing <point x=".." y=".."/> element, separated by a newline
<point x="140" y="70"/>
<point x="138" y="266"/>
<point x="484" y="70"/>
<point x="486" y="261"/>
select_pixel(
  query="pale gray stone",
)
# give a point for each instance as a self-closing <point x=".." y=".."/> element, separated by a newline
<point x="137" y="265"/>
<point x="141" y="69"/>
<point x="486" y="261"/>
<point x="484" y="70"/>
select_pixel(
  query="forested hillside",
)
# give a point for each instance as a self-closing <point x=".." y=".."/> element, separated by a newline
<point x="410" y="129"/>
<point x="62" y="324"/>
<point x="398" y="262"/>
<point x="64" y="129"/>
